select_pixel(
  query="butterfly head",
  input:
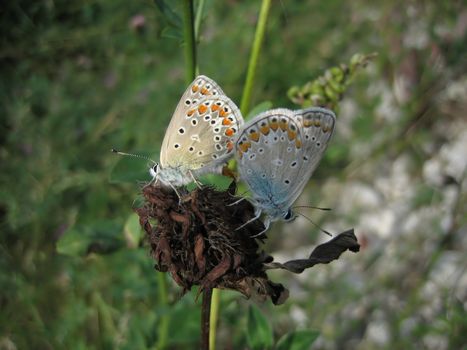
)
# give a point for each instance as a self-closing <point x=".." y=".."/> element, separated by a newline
<point x="154" y="170"/>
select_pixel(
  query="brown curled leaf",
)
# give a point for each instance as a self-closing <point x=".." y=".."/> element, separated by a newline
<point x="322" y="254"/>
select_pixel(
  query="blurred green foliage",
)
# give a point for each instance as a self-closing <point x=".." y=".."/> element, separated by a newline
<point x="80" y="77"/>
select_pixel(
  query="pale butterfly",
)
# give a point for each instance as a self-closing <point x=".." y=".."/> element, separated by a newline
<point x="200" y="136"/>
<point x="277" y="153"/>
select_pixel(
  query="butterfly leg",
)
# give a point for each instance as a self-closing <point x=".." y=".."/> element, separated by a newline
<point x="257" y="215"/>
<point x="177" y="193"/>
<point x="236" y="202"/>
<point x="266" y="223"/>
<point x="199" y="184"/>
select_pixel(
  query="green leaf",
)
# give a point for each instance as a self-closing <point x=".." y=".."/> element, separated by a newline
<point x="298" y="340"/>
<point x="172" y="33"/>
<point x="100" y="237"/>
<point x="129" y="170"/>
<point x="132" y="231"/>
<point x="263" y="106"/>
<point x="259" y="332"/>
<point x="169" y="13"/>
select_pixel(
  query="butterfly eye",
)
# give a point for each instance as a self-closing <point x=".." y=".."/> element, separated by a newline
<point x="176" y="145"/>
<point x="191" y="149"/>
<point x="289" y="215"/>
<point x="218" y="103"/>
<point x="313" y="138"/>
<point x="181" y="131"/>
<point x="217" y="138"/>
<point x="208" y="86"/>
<point x="214" y="92"/>
<point x="187" y="102"/>
<point x="287" y="181"/>
<point x="207" y="117"/>
<point x="213" y="122"/>
<point x="194" y="122"/>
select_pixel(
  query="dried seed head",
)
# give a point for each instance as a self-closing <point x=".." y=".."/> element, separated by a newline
<point x="198" y="243"/>
<point x="197" y="240"/>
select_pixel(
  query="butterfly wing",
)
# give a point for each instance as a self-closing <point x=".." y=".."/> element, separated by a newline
<point x="200" y="134"/>
<point x="270" y="155"/>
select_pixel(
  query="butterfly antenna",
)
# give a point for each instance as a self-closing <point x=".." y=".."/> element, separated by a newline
<point x="132" y="155"/>
<point x="311" y="207"/>
<point x="315" y="224"/>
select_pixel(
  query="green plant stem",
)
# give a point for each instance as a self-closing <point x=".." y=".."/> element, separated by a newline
<point x="198" y="19"/>
<point x="214" y="315"/>
<point x="189" y="41"/>
<point x="163" y="328"/>
<point x="205" y="319"/>
<point x="255" y="51"/>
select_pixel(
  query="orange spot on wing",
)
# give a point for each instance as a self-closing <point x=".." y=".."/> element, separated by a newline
<point x="317" y="122"/>
<point x="326" y="129"/>
<point x="226" y="121"/>
<point x="283" y="125"/>
<point x="223" y="113"/>
<point x="204" y="91"/>
<point x="244" y="146"/>
<point x="215" y="107"/>
<point x="291" y="134"/>
<point x="229" y="145"/>
<point x="307" y="123"/>
<point x="274" y="125"/>
<point x="190" y="112"/>
<point x="202" y="109"/>
<point x="264" y="129"/>
<point x="194" y="88"/>
<point x="254" y="136"/>
<point x="229" y="132"/>
<point x="298" y="143"/>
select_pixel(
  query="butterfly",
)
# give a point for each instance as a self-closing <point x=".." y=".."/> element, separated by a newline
<point x="200" y="136"/>
<point x="277" y="152"/>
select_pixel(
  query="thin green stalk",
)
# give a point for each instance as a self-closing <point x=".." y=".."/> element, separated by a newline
<point x="255" y="51"/>
<point x="163" y="329"/>
<point x="189" y="41"/>
<point x="198" y="18"/>
<point x="215" y="302"/>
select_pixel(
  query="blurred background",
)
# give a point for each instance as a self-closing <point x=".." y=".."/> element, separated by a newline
<point x="80" y="77"/>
